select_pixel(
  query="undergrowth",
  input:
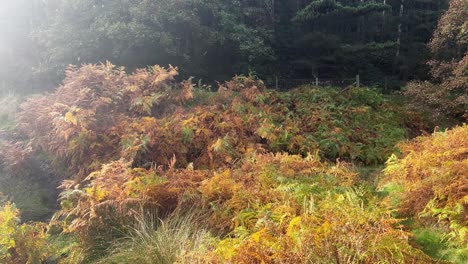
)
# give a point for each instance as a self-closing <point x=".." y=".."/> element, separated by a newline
<point x="177" y="238"/>
<point x="272" y="176"/>
<point x="431" y="179"/>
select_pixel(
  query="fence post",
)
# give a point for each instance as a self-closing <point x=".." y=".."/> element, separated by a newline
<point x="357" y="81"/>
<point x="316" y="82"/>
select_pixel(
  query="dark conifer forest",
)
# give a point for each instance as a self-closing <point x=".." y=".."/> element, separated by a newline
<point x="383" y="41"/>
<point x="243" y="131"/>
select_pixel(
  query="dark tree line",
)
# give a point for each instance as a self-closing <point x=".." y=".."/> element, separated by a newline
<point x="382" y="40"/>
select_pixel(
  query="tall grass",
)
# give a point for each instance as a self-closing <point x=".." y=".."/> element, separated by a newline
<point x="173" y="239"/>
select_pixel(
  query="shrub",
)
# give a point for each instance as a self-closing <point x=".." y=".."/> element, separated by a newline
<point x="108" y="199"/>
<point x="220" y="132"/>
<point x="272" y="208"/>
<point x="432" y="171"/>
<point x="338" y="228"/>
<point x="241" y="156"/>
<point x="101" y="114"/>
<point x="74" y="124"/>
<point x="447" y="93"/>
<point x="21" y="243"/>
<point x="286" y="209"/>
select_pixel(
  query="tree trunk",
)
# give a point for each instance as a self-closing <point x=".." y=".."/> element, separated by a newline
<point x="399" y="28"/>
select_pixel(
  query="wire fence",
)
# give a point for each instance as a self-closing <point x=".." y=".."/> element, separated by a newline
<point x="287" y="84"/>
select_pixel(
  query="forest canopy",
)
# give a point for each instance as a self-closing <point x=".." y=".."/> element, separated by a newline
<point x="383" y="41"/>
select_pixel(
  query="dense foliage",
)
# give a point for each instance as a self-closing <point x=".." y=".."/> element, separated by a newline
<point x="142" y="146"/>
<point x="274" y="208"/>
<point x="101" y="113"/>
<point x="447" y="94"/>
<point x="76" y="124"/>
<point x="384" y="41"/>
<point x="143" y="165"/>
<point x="21" y="243"/>
<point x="432" y="177"/>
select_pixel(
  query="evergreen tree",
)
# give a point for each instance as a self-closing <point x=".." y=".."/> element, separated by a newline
<point x="206" y="38"/>
<point x="214" y="40"/>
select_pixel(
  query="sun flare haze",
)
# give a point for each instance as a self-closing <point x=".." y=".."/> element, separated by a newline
<point x="241" y="131"/>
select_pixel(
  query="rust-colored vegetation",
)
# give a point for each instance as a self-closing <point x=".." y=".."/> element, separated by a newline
<point x="432" y="175"/>
<point x="265" y="176"/>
